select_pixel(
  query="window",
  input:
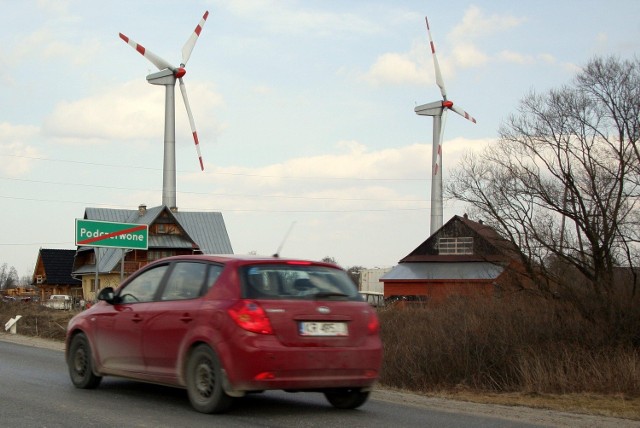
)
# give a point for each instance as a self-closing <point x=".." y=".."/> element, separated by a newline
<point x="167" y="229"/>
<point x="155" y="254"/>
<point x="214" y="273"/>
<point x="185" y="281"/>
<point x="284" y="281"/>
<point x="144" y="286"/>
<point x="455" y="246"/>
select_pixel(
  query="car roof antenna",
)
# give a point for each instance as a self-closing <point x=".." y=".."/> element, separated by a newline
<point x="277" y="254"/>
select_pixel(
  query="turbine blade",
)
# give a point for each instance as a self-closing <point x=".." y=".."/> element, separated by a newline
<point x="437" y="167"/>
<point x="436" y="65"/>
<point x="153" y="58"/>
<point x="183" y="90"/>
<point x="191" y="42"/>
<point x="463" y="113"/>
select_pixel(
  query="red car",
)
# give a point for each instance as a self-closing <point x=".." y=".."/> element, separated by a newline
<point x="225" y="326"/>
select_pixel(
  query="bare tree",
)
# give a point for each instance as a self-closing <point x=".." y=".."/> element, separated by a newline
<point x="329" y="259"/>
<point x="8" y="277"/>
<point x="562" y="183"/>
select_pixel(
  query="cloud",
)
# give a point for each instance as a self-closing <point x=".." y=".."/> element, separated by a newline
<point x="476" y="24"/>
<point x="56" y="7"/>
<point x="396" y="69"/>
<point x="286" y="18"/>
<point x="132" y="111"/>
<point x="351" y="176"/>
<point x="15" y="149"/>
<point x="415" y="66"/>
<point x="467" y="55"/>
<point x="515" y="57"/>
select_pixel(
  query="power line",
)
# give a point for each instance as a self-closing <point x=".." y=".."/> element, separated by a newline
<point x="288" y="177"/>
<point x="231" y="195"/>
<point x="217" y="209"/>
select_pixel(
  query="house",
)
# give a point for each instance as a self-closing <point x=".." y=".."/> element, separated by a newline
<point x="171" y="232"/>
<point x="462" y="258"/>
<point x="52" y="274"/>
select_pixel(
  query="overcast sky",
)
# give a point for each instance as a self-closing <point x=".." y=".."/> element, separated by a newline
<point x="304" y="111"/>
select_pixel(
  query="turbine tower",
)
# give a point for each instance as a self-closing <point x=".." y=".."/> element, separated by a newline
<point x="167" y="77"/>
<point x="438" y="110"/>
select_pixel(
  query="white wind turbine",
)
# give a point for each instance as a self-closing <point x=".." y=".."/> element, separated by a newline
<point x="167" y="76"/>
<point x="438" y="110"/>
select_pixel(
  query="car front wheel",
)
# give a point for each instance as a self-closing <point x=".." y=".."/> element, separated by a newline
<point x="80" y="363"/>
<point x="348" y="398"/>
<point x="204" y="382"/>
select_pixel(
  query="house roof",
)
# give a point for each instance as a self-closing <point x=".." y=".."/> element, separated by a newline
<point x="488" y="245"/>
<point x="205" y="231"/>
<point x="57" y="265"/>
<point x="443" y="271"/>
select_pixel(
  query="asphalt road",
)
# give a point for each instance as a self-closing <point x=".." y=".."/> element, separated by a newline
<point x="35" y="391"/>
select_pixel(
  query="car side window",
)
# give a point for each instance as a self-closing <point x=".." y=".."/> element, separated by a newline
<point x="212" y="277"/>
<point x="143" y="287"/>
<point x="185" y="281"/>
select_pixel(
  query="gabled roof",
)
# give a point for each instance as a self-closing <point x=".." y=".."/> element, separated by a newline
<point x="57" y="265"/>
<point x="443" y="271"/>
<point x="488" y="245"/>
<point x="205" y="231"/>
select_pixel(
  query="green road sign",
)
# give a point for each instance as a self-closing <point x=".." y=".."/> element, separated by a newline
<point x="92" y="233"/>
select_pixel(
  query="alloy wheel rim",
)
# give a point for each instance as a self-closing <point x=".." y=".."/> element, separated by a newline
<point x="80" y="362"/>
<point x="204" y="378"/>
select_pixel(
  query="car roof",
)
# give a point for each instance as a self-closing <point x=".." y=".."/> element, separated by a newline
<point x="241" y="259"/>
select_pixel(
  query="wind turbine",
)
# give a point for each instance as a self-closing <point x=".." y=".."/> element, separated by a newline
<point x="438" y="110"/>
<point x="167" y="76"/>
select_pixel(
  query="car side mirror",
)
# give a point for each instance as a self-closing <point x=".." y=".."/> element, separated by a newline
<point x="107" y="295"/>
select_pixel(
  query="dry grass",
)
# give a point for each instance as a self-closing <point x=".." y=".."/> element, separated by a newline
<point x="617" y="406"/>
<point x="37" y="320"/>
<point x="539" y="354"/>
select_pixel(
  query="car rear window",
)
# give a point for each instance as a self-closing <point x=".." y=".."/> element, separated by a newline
<point x="305" y="282"/>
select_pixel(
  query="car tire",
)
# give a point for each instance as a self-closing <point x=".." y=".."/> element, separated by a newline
<point x="349" y="398"/>
<point x="204" y="382"/>
<point x="81" y="363"/>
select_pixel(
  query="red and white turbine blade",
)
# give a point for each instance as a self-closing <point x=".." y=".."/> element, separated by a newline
<point x="153" y="58"/>
<point x="437" y="163"/>
<point x="439" y="80"/>
<point x="191" y="42"/>
<point x="183" y="90"/>
<point x="463" y="113"/>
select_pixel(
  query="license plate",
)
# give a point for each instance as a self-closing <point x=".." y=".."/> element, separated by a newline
<point x="322" y="328"/>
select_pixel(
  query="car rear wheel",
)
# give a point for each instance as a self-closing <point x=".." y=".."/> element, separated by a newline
<point x="204" y="382"/>
<point x="80" y="363"/>
<point x="349" y="398"/>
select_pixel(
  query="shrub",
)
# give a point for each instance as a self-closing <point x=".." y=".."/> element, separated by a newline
<point x="520" y="343"/>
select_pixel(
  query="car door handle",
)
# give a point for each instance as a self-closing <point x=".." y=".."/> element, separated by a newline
<point x="136" y="318"/>
<point x="186" y="318"/>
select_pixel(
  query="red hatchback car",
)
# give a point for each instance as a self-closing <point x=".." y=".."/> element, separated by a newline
<point x="225" y="326"/>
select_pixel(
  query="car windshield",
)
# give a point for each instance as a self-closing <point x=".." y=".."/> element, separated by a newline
<point x="290" y="281"/>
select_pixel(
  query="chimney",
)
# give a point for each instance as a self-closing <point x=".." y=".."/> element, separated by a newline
<point x="142" y="210"/>
<point x="466" y="216"/>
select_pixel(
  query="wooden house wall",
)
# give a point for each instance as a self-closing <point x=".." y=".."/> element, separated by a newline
<point x="439" y="290"/>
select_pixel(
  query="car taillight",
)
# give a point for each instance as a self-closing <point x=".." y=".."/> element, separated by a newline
<point x="250" y="316"/>
<point x="373" y="326"/>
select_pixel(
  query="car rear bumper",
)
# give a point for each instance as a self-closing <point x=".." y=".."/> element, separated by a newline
<point x="262" y="363"/>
